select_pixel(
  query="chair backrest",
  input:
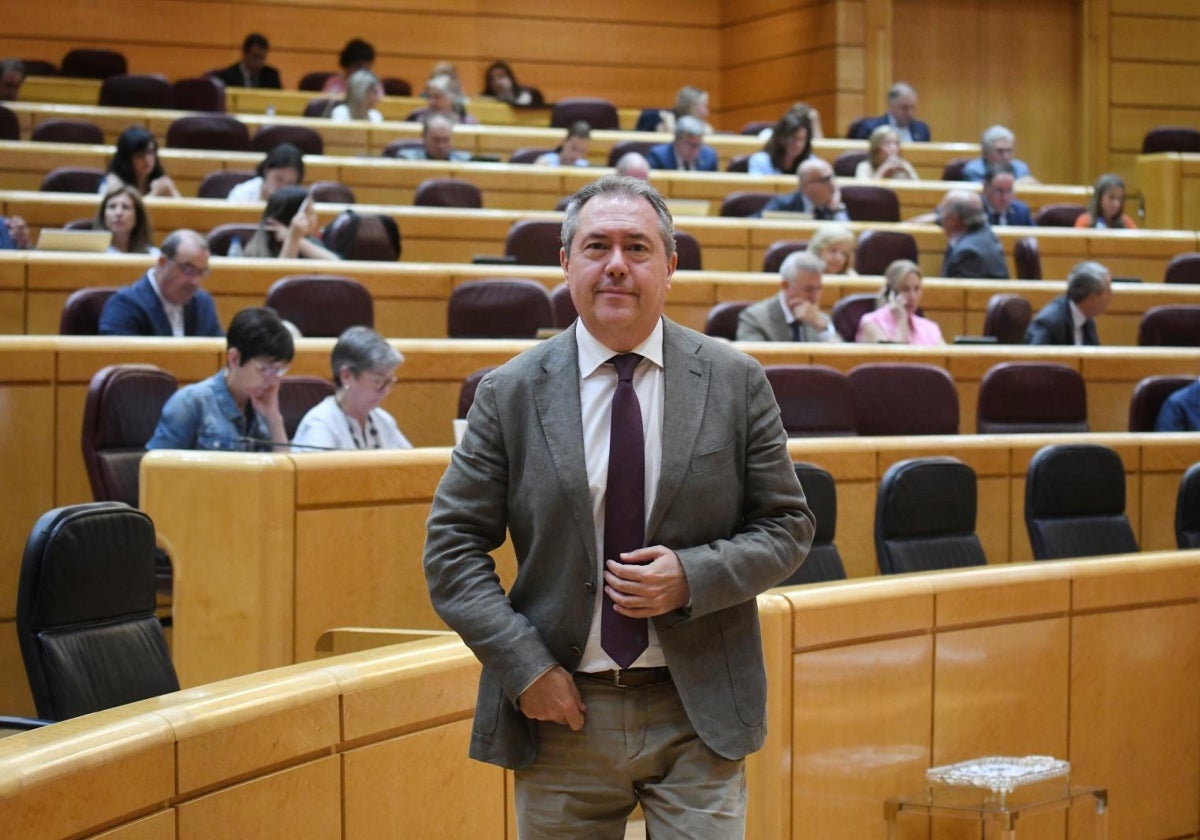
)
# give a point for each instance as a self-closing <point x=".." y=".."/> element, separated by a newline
<point x="1027" y="258"/>
<point x="315" y="80"/>
<point x="499" y="307"/>
<point x="10" y="126"/>
<point x="848" y="311"/>
<point x="331" y="192"/>
<point x="1171" y="138"/>
<point x="892" y="398"/>
<point x="847" y="163"/>
<point x="322" y="305"/>
<point x="67" y="131"/>
<point x="600" y="114"/>
<point x="1059" y="215"/>
<point x="823" y="562"/>
<point x="528" y="154"/>
<point x="1075" y="502"/>
<point x="319" y="107"/>
<point x="871" y="203"/>
<point x="562" y="306"/>
<point x="1183" y="268"/>
<point x="1028" y="397"/>
<point x="779" y="251"/>
<point x="39" y="67"/>
<point x="85" y="611"/>
<point x="534" y="242"/>
<point x="738" y="163"/>
<point x="222" y="236"/>
<point x="299" y="394"/>
<point x="1176" y="325"/>
<point x="624" y="147"/>
<point x="1187" y="509"/>
<point x="219" y="132"/>
<point x="855" y="130"/>
<point x="1148" y="398"/>
<point x="925" y="517"/>
<point x="814" y="400"/>
<point x="73" y="179"/>
<point x="722" y="319"/>
<point x="395" y="86"/>
<point x="687" y="248"/>
<point x="200" y="93"/>
<point x="306" y="139"/>
<point x="754" y="127"/>
<point x="120" y="412"/>
<point x="1006" y="318"/>
<point x="744" y="203"/>
<point x="447" y="192"/>
<point x="93" y="64"/>
<point x="466" y="394"/>
<point x="953" y="170"/>
<point x="363" y="236"/>
<point x="81" y="310"/>
<point x="877" y="249"/>
<point x="218" y="184"/>
<point x="137" y="90"/>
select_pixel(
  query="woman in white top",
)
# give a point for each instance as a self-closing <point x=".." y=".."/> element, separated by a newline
<point x="883" y="157"/>
<point x="789" y="145"/>
<point x="364" y="369"/>
<point x="363" y="92"/>
<point x="282" y="167"/>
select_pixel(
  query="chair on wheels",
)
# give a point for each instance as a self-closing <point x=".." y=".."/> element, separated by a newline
<point x="299" y="394"/>
<point x="1148" y="398"/>
<point x="1177" y="325"/>
<point x="722" y="319"/>
<point x="1006" y="318"/>
<point x="222" y="236"/>
<point x="896" y="398"/>
<point x="925" y="517"/>
<point x="1187" y="509"/>
<point x="624" y="147"/>
<point x="199" y="93"/>
<point x="331" y="192"/>
<point x="814" y="400"/>
<point x="322" y="305"/>
<point x="824" y="562"/>
<point x="846" y="164"/>
<point x="499" y="307"/>
<point x="687" y="252"/>
<point x="1031" y="397"/>
<point x="82" y="308"/>
<point x="1075" y="502"/>
<point x="877" y="249"/>
<point x="86" y="624"/>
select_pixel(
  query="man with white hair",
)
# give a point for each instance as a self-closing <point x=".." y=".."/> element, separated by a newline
<point x="972" y="250"/>
<point x="794" y="312"/>
<point x="996" y="147"/>
<point x="688" y="152"/>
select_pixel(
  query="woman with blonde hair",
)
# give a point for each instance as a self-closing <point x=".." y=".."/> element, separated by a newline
<point x="883" y="157"/>
<point x="689" y="102"/>
<point x="896" y="320"/>
<point x="363" y="92"/>
<point x="834" y="245"/>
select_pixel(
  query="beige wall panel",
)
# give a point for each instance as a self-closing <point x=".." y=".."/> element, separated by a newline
<point x="786" y="78"/>
<point x="160" y="826"/>
<point x="1155" y="39"/>
<point x="757" y="39"/>
<point x="1164" y="8"/>
<point x="948" y="33"/>
<point x="28" y="447"/>
<point x="1161" y="84"/>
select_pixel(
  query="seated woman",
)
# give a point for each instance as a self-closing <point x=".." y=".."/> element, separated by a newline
<point x="443" y="96"/>
<point x="833" y="243"/>
<point x="288" y="228"/>
<point x="689" y="102"/>
<point x="122" y="214"/>
<point x="883" y="157"/>
<point x="500" y="83"/>
<point x="282" y="167"/>
<point x="238" y="408"/>
<point x="799" y="109"/>
<point x="573" y="150"/>
<point x="356" y="55"/>
<point x="363" y="92"/>
<point x="789" y="145"/>
<point x="896" y="320"/>
<point x="135" y="163"/>
<point x="1106" y="208"/>
<point x="364" y="370"/>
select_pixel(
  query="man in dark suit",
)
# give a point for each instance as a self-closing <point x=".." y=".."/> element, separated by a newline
<point x="794" y="312"/>
<point x="818" y="195"/>
<point x="901" y="115"/>
<point x="1070" y="318"/>
<point x="1003" y="208"/>
<point x="642" y="473"/>
<point x="688" y="152"/>
<point x="167" y="300"/>
<point x="252" y="70"/>
<point x="973" y="251"/>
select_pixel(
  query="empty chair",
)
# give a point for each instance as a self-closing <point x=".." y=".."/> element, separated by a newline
<point x="322" y="305"/>
<point x="10" y="127"/>
<point x="779" y="251"/>
<point x="1027" y="258"/>
<point x="137" y="90"/>
<point x="877" y="249"/>
<point x="1026" y="397"/>
<point x="527" y="154"/>
<point x="93" y="64"/>
<point x="218" y="184"/>
<point x="738" y="163"/>
<point x="393" y="86"/>
<point x="624" y="147"/>
<point x="1171" y="138"/>
<point x="744" y="203"/>
<point x="73" y="179"/>
<point x="331" y="192"/>
<point x="925" y="517"/>
<point x="222" y="236"/>
<point x="598" y="113"/>
<point x="1059" y="215"/>
<point x="814" y="400"/>
<point x="81" y="310"/>
<point x="1006" y="318"/>
<point x="447" y="192"/>
<point x="200" y="93"/>
<point x="823" y="562"/>
<point x="307" y="140"/>
<point x="1183" y="268"/>
<point x="846" y="163"/>
<point x="38" y="67"/>
<point x="687" y="248"/>
<point x="86" y="619"/>
<point x="499" y="307"/>
<point x="320" y="107"/>
<point x="466" y="394"/>
<point x="1187" y="509"/>
<point x="534" y="242"/>
<point x="722" y="319"/>
<point x="219" y="132"/>
<point x="299" y="394"/>
<point x="1075" y="502"/>
<point x="562" y="306"/>
<point x="871" y="203"/>
<point x="1176" y="325"/>
<point x="953" y="170"/>
<point x="1148" y="398"/>
<point x="848" y="311"/>
<point x="895" y="398"/>
<point x="67" y="131"/>
<point x="316" y="80"/>
<point x="363" y="236"/>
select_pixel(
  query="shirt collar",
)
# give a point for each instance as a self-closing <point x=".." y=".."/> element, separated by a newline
<point x="1077" y="316"/>
<point x="787" y="310"/>
<point x="593" y="354"/>
<point x="167" y="306"/>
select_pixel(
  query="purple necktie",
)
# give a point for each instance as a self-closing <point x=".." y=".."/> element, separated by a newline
<point x="624" y="638"/>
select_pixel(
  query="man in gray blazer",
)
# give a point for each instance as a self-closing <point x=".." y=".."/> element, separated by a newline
<point x="724" y="519"/>
<point x="794" y="313"/>
<point x="972" y="251"/>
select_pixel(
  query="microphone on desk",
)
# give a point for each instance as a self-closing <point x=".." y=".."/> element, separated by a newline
<point x="270" y="444"/>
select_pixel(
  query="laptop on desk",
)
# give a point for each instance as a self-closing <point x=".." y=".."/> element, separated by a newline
<point x="58" y="239"/>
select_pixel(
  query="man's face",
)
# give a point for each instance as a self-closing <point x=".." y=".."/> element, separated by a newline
<point x="573" y="149"/>
<point x="948" y="220"/>
<point x="687" y="147"/>
<point x="1097" y="304"/>
<point x="10" y="85"/>
<point x="254" y="59"/>
<point x="817" y="185"/>
<point x="999" y="193"/>
<point x="904" y="109"/>
<point x="617" y="270"/>
<point x="181" y="277"/>
<point x="1000" y="151"/>
<point x="438" y="137"/>
<point x="804" y="287"/>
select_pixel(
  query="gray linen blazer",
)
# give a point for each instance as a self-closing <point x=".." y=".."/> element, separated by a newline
<point x="728" y="504"/>
<point x="764" y="321"/>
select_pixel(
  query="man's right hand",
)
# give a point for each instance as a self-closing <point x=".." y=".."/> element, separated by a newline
<point x="809" y="313"/>
<point x="553" y="697"/>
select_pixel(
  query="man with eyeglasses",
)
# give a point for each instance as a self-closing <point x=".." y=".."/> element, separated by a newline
<point x="167" y="300"/>
<point x="818" y="196"/>
<point x="997" y="146"/>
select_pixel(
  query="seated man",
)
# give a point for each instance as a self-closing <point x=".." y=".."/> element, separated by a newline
<point x="237" y="408"/>
<point x="973" y="250"/>
<point x="12" y="76"/>
<point x="999" y="200"/>
<point x="794" y="312"/>
<point x="167" y="300"/>
<point x="437" y="138"/>
<point x="634" y="165"/>
<point x="1070" y="319"/>
<point x="818" y="195"/>
<point x="1181" y="411"/>
<point x="901" y="115"/>
<point x="252" y="71"/>
<point x="688" y="152"/>
<point x="996" y="146"/>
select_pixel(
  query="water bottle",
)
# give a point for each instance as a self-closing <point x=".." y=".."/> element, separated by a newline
<point x="271" y="110"/>
<point x="235" y="248"/>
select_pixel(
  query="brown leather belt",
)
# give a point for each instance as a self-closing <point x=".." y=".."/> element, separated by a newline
<point x="630" y="677"/>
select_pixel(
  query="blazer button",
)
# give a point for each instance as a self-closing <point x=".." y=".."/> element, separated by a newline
<point x="589" y="586"/>
<point x="576" y="650"/>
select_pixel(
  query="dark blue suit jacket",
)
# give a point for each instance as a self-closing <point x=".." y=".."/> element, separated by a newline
<point x="662" y="156"/>
<point x="232" y="77"/>
<point x="863" y="128"/>
<point x="1016" y="214"/>
<point x="1054" y="325"/>
<point x="136" y="310"/>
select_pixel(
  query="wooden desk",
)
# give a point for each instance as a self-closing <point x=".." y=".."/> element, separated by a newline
<point x="1171" y="184"/>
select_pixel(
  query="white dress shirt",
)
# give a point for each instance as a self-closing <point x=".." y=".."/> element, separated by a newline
<point x="174" y="311"/>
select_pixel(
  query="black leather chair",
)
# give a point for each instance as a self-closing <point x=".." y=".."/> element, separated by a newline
<point x="85" y="611"/>
<point x="306" y="139"/>
<point x="925" y="517"/>
<point x="218" y="184"/>
<point x="1148" y="398"/>
<point x="93" y="64"/>
<point x="779" y="251"/>
<point x="1006" y="318"/>
<point x="600" y="114"/>
<point x="447" y="192"/>
<point x="1031" y="397"/>
<point x="903" y="399"/>
<point x="848" y="311"/>
<point x="299" y="394"/>
<point x="1171" y="138"/>
<point x="722" y="319"/>
<point x="363" y="236"/>
<point x="137" y="90"/>
<point x="1183" y="268"/>
<point x="1075" y="502"/>
<point x="534" y="242"/>
<point x="1027" y="258"/>
<point x="81" y="310"/>
<point x="67" y="131"/>
<point x="824" y="562"/>
<point x="219" y="132"/>
<point x="814" y="400"/>
<point x="744" y="203"/>
<point x="322" y="305"/>
<point x="1170" y="326"/>
<point x="877" y="249"/>
<point x="871" y="203"/>
<point x="499" y="307"/>
<point x="1187" y="509"/>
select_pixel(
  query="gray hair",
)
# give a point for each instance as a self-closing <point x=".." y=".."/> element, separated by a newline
<point x="967" y="206"/>
<point x="1086" y="279"/>
<point x="362" y="350"/>
<point x="10" y="64"/>
<point x="431" y="119"/>
<point x="900" y="89"/>
<point x="634" y="165"/>
<point x="801" y="262"/>
<point x="994" y="133"/>
<point x="689" y="127"/>
<point x="619" y="186"/>
<point x="176" y="239"/>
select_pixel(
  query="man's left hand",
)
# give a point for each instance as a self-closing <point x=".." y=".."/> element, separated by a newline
<point x="648" y="582"/>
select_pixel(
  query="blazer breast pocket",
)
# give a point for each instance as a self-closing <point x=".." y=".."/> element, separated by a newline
<point x="714" y="460"/>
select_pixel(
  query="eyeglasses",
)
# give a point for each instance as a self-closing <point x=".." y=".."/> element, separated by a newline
<point x="191" y="270"/>
<point x="271" y="370"/>
<point x="380" y="382"/>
